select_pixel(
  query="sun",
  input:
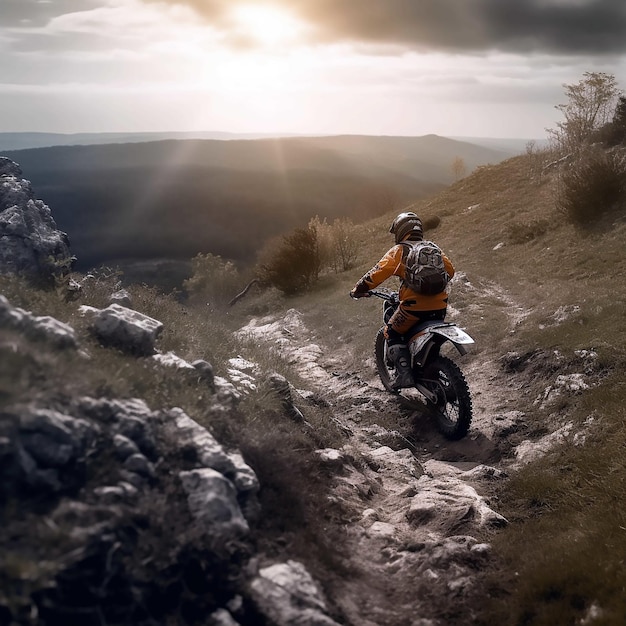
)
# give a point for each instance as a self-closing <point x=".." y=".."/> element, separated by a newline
<point x="267" y="25"/>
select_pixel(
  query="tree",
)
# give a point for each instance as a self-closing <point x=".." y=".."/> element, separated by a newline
<point x="590" y="105"/>
<point x="458" y="168"/>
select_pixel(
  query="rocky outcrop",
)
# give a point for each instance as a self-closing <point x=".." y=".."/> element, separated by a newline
<point x="114" y="513"/>
<point x="31" y="245"/>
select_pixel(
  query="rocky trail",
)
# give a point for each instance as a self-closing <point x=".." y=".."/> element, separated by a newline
<point x="419" y="502"/>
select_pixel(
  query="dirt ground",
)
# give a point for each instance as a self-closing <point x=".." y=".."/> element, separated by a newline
<point x="420" y="501"/>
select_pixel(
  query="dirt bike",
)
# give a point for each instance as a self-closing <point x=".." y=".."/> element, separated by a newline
<point x="436" y="377"/>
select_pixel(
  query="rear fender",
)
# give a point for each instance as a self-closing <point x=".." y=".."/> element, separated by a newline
<point x="421" y="345"/>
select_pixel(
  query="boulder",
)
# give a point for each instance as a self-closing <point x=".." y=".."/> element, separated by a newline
<point x="126" y="329"/>
<point x="31" y="245"/>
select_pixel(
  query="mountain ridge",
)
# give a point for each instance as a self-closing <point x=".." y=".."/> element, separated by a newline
<point x="184" y="197"/>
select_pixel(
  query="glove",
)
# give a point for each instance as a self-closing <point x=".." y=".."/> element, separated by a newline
<point x="359" y="294"/>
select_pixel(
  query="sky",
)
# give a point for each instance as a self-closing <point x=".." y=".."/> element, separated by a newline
<point x="469" y="68"/>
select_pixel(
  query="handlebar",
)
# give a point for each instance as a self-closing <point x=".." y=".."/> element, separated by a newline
<point x="389" y="296"/>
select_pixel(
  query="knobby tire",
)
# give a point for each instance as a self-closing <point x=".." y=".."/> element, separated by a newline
<point x="453" y="410"/>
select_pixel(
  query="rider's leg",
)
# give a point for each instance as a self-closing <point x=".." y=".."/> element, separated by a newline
<point x="398" y="349"/>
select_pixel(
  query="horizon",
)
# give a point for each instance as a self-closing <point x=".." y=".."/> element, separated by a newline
<point x="453" y="68"/>
<point x="260" y="134"/>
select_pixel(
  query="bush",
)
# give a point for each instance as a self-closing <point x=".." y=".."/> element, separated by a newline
<point x="293" y="264"/>
<point x="214" y="281"/>
<point x="336" y="242"/>
<point x="592" y="185"/>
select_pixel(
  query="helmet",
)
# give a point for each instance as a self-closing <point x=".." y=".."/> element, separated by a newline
<point x="405" y="224"/>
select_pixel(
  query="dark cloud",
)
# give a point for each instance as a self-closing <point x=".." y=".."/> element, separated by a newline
<point x="34" y="13"/>
<point x="521" y="26"/>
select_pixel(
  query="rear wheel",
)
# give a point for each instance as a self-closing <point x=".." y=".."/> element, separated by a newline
<point x="453" y="407"/>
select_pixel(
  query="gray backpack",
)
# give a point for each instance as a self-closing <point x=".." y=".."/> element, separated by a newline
<point x="425" y="271"/>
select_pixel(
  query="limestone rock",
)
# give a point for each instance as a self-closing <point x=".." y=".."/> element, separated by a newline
<point x="31" y="245"/>
<point x="288" y="596"/>
<point x="212" y="500"/>
<point x="36" y="327"/>
<point x="126" y="329"/>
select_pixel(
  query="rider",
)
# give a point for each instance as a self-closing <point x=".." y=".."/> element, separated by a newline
<point x="413" y="307"/>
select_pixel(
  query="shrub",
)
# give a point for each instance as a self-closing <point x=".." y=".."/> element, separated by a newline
<point x="336" y="242"/>
<point x="213" y="281"/>
<point x="592" y="185"/>
<point x="293" y="264"/>
<point x="614" y="133"/>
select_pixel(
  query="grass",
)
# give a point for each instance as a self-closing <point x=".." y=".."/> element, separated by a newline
<point x="563" y="552"/>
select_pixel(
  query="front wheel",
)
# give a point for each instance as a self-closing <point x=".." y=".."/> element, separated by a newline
<point x="384" y="367"/>
<point x="453" y="407"/>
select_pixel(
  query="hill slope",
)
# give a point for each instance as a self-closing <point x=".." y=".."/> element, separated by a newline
<point x="544" y="302"/>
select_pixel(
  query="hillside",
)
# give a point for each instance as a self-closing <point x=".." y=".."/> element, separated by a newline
<point x="174" y="199"/>
<point x="518" y="523"/>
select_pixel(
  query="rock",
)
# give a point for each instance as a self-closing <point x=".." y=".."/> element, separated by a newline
<point x="54" y="439"/>
<point x="222" y="617"/>
<point x="124" y="447"/>
<point x="139" y="464"/>
<point x="31" y="245"/>
<point x="331" y="457"/>
<point x="281" y="387"/>
<point x="127" y="330"/>
<point x="287" y="595"/>
<point x="205" y="370"/>
<point x="507" y="423"/>
<point x="208" y="451"/>
<point x="446" y="502"/>
<point x="121" y="297"/>
<point x="37" y="328"/>
<point x="212" y="501"/>
<point x="404" y="460"/>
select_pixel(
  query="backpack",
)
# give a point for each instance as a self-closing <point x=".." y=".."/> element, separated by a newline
<point x="425" y="272"/>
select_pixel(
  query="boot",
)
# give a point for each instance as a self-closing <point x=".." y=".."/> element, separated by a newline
<point x="401" y="357"/>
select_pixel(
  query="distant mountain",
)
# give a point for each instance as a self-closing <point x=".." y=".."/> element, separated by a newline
<point x="23" y="141"/>
<point x="510" y="144"/>
<point x="27" y="140"/>
<point x="175" y="198"/>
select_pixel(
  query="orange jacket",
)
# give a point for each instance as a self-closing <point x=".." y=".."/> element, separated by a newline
<point x="392" y="264"/>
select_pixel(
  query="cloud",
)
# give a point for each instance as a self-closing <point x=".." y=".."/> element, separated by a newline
<point x="33" y="13"/>
<point x="521" y="26"/>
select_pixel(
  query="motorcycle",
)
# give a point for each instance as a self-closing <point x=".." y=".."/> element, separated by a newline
<point x="436" y="377"/>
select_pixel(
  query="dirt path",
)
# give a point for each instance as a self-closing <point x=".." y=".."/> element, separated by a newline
<point x="416" y="497"/>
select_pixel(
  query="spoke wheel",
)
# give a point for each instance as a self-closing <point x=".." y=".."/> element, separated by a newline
<point x="453" y="407"/>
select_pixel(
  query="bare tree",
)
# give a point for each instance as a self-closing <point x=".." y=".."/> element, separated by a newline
<point x="458" y="167"/>
<point x="591" y="104"/>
